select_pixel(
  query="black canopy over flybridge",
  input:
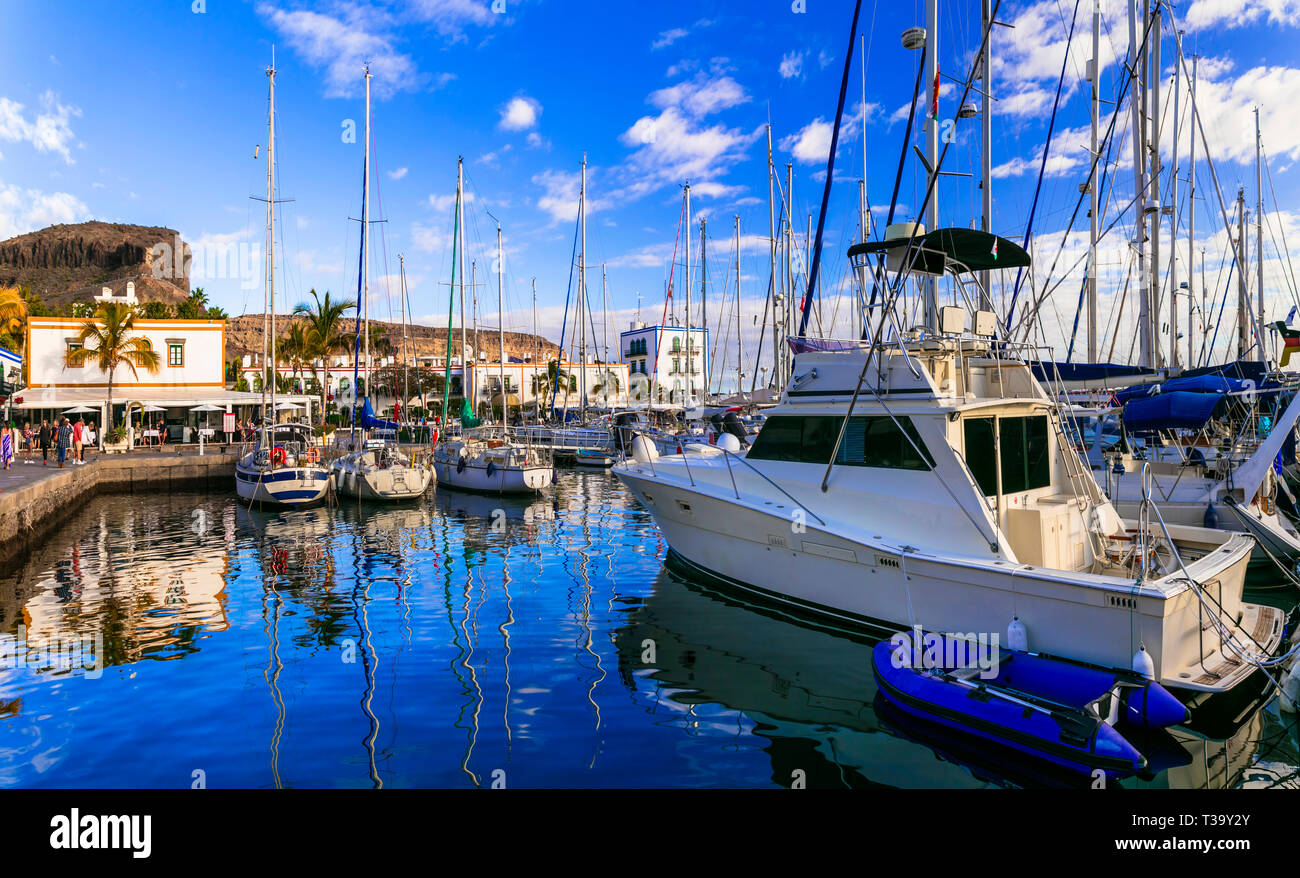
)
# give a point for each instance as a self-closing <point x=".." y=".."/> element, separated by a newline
<point x="956" y="250"/>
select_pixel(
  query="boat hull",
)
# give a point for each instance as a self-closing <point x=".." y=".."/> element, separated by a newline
<point x="391" y="485"/>
<point x="876" y="586"/>
<point x="292" y="487"/>
<point x="501" y="480"/>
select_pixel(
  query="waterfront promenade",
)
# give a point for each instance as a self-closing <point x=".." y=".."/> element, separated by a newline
<point x="35" y="499"/>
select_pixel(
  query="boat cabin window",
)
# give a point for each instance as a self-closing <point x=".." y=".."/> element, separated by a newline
<point x="981" y="457"/>
<point x="872" y="441"/>
<point x="1022" y="452"/>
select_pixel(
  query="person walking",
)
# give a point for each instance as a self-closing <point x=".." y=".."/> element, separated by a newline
<point x="43" y="438"/>
<point x="28" y="441"/>
<point x="78" y="433"/>
<point x="89" y="436"/>
<point x="6" y="445"/>
<point x="64" y="441"/>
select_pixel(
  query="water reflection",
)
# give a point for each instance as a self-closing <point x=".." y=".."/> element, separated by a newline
<point x="810" y="691"/>
<point x="465" y="641"/>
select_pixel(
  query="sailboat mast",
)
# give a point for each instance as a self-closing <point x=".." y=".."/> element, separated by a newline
<point x="460" y="227"/>
<point x="270" y="232"/>
<point x="406" y="358"/>
<point x="1191" y="228"/>
<point x="582" y="289"/>
<point x="604" y="328"/>
<point x="535" y="350"/>
<point x="1137" y="100"/>
<point x="501" y="326"/>
<point x="267" y="296"/>
<point x="740" y="361"/>
<point x="365" y="238"/>
<point x="931" y="285"/>
<point x="1243" y="300"/>
<point x="687" y="240"/>
<point x="771" y="233"/>
<point x="1094" y="71"/>
<point x="704" y="315"/>
<point x="1259" y="232"/>
<point x="1173" y="222"/>
<point x="986" y="157"/>
<point x="1154" y="118"/>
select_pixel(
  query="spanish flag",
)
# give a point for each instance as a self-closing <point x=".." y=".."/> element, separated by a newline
<point x="1290" y="341"/>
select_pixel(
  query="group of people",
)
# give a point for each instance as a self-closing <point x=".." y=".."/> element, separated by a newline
<point x="67" y="439"/>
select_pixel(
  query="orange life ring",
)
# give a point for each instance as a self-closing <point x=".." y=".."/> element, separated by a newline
<point x="279" y="457"/>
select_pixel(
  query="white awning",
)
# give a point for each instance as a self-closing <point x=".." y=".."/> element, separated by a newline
<point x="166" y="397"/>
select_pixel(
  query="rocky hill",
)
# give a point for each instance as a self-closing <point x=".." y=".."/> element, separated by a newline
<point x="244" y="336"/>
<point x="71" y="263"/>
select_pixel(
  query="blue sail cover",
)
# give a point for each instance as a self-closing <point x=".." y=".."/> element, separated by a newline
<point x="1045" y="371"/>
<point x="1207" y="383"/>
<point x="1181" y="409"/>
<point x="368" y="420"/>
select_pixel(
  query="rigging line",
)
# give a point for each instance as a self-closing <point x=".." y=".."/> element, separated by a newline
<point x="912" y="241"/>
<point x="1025" y="321"/>
<point x="668" y="297"/>
<point x="1106" y="191"/>
<point x="1042" y="167"/>
<point x="1281" y="226"/>
<point x="830" y="173"/>
<point x="564" y="323"/>
<point x="878" y="277"/>
<point x="1219" y="319"/>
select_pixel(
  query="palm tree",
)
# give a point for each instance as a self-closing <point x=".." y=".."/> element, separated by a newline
<point x="609" y="384"/>
<point x="295" y="349"/>
<point x="554" y="377"/>
<point x="108" y="340"/>
<point x="13" y="318"/>
<point x="325" y="334"/>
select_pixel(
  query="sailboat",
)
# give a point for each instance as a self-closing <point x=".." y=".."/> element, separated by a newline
<point x="373" y="469"/>
<point x="926" y="478"/>
<point x="284" y="467"/>
<point x="484" y="458"/>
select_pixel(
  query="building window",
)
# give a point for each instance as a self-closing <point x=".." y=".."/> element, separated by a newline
<point x="677" y="344"/>
<point x="75" y="346"/>
<point x="175" y="353"/>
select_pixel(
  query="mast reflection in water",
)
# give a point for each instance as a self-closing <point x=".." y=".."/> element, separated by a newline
<point x="461" y="641"/>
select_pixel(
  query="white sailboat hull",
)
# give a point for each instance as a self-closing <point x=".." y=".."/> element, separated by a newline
<point x="393" y="484"/>
<point x="501" y="480"/>
<point x="291" y="486"/>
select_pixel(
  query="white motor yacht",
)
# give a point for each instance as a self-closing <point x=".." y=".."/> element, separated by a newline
<point x="929" y="482"/>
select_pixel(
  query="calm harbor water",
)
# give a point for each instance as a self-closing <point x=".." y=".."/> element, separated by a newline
<point x="456" y="643"/>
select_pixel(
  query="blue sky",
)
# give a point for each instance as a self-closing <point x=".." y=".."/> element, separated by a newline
<point x="150" y="113"/>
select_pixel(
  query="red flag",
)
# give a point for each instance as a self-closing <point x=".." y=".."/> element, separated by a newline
<point x="934" y="107"/>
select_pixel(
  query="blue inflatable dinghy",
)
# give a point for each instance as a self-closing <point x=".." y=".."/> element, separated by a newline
<point x="1059" y="710"/>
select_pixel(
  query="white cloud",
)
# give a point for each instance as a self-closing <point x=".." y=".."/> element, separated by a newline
<point x="791" y="65"/>
<point x="671" y="148"/>
<point x="1206" y="14"/>
<point x="49" y="131"/>
<point x="519" y="114"/>
<point x="428" y="238"/>
<point x="702" y="95"/>
<point x="397" y="174"/>
<point x="343" y="44"/>
<point x="668" y="37"/>
<point x="25" y="210"/>
<point x="443" y="203"/>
